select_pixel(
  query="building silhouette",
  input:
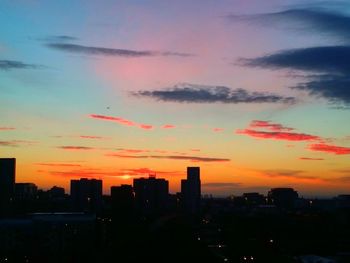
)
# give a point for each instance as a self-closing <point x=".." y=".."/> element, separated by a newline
<point x="284" y="198"/>
<point x="122" y="200"/>
<point x="191" y="190"/>
<point x="151" y="195"/>
<point x="25" y="191"/>
<point x="86" y="195"/>
<point x="7" y="184"/>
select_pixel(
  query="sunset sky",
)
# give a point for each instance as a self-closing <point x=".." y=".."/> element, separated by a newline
<point x="256" y="93"/>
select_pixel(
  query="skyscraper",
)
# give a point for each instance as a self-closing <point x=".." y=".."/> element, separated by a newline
<point x="151" y="195"/>
<point x="86" y="195"/>
<point x="7" y="183"/>
<point x="191" y="190"/>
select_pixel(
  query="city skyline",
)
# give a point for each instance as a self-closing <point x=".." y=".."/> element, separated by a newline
<point x="254" y="93"/>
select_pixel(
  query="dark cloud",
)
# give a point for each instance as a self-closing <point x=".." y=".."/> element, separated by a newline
<point x="88" y="50"/>
<point x="328" y="67"/>
<point x="326" y="59"/>
<point x="305" y="20"/>
<point x="58" y="38"/>
<point x="330" y="63"/>
<point x="17" y="143"/>
<point x="192" y="93"/>
<point x="298" y="174"/>
<point x="13" y="64"/>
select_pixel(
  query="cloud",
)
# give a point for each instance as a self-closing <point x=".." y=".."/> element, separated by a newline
<point x="147" y="171"/>
<point x="192" y="93"/>
<point x="269" y="126"/>
<point x="218" y="129"/>
<point x="7" y="128"/>
<point x="305" y="20"/>
<point x="13" y="64"/>
<point x="288" y="136"/>
<point x="310" y="159"/>
<point x="59" y="38"/>
<point x="92" y="137"/>
<point x="168" y="126"/>
<point x="287" y="173"/>
<point x="329" y="62"/>
<point x="58" y="164"/>
<point x="75" y="148"/>
<point x="16" y="143"/>
<point x="88" y="50"/>
<point x="172" y="157"/>
<point x="121" y="121"/>
<point x="327" y="59"/>
<point x="338" y="150"/>
<point x="220" y="185"/>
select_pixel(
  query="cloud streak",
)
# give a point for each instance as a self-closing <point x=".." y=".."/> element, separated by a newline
<point x="338" y="150"/>
<point x="172" y="157"/>
<point x="269" y="126"/>
<point x="14" y="64"/>
<point x="310" y="159"/>
<point x="126" y="53"/>
<point x="287" y="136"/>
<point x="7" y="128"/>
<point x="121" y="121"/>
<point x="192" y="93"/>
<point x="75" y="148"/>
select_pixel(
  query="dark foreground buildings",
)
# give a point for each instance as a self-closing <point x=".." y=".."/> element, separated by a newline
<point x="151" y="195"/>
<point x="7" y="184"/>
<point x="86" y="195"/>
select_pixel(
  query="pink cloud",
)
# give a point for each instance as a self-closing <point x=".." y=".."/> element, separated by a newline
<point x="122" y="121"/>
<point x="168" y="126"/>
<point x="269" y="126"/>
<point x="288" y="136"/>
<point x="338" y="150"/>
<point x="218" y="129"/>
<point x="92" y="137"/>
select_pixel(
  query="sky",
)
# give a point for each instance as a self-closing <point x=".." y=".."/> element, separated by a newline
<point x="254" y="92"/>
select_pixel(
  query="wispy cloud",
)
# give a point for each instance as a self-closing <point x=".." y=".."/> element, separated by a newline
<point x="298" y="174"/>
<point x="218" y="129"/>
<point x="269" y="125"/>
<point x="58" y="164"/>
<point x="122" y="121"/>
<point x="14" y="64"/>
<point x="310" y="159"/>
<point x="168" y="126"/>
<point x="303" y="20"/>
<point x="7" y="128"/>
<point x="338" y="150"/>
<point x="221" y="185"/>
<point x="288" y="136"/>
<point x="192" y="93"/>
<point x="17" y="143"/>
<point x="76" y="148"/>
<point x="104" y="51"/>
<point x="93" y="137"/>
<point x="172" y="157"/>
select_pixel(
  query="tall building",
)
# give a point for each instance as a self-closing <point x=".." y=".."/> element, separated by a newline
<point x="283" y="197"/>
<point x="151" y="195"/>
<point x="191" y="190"/>
<point x="7" y="184"/>
<point x="86" y="195"/>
